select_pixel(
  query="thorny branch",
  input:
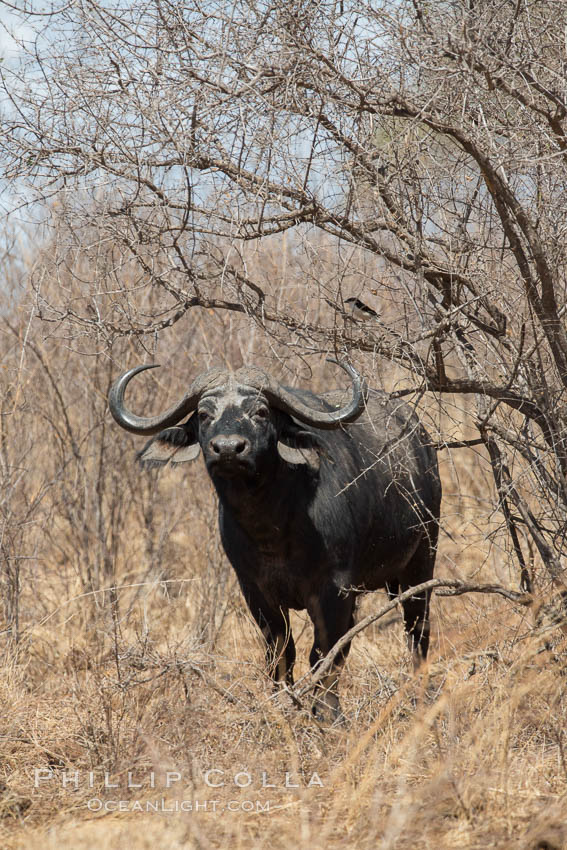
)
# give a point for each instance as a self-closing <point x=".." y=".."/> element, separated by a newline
<point x="445" y="587"/>
<point x="186" y="159"/>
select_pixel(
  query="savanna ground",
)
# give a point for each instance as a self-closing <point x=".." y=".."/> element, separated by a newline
<point x="132" y="676"/>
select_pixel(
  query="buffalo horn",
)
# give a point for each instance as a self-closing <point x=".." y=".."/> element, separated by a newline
<point x="154" y="424"/>
<point x="287" y="401"/>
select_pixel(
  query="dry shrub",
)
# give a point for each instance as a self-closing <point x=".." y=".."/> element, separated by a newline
<point x="127" y="646"/>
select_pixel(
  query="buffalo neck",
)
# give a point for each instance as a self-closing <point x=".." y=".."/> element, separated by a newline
<point x="262" y="503"/>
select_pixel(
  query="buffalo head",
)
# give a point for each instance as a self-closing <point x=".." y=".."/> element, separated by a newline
<point x="241" y="422"/>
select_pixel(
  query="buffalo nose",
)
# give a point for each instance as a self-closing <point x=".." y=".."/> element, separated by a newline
<point x="229" y="447"/>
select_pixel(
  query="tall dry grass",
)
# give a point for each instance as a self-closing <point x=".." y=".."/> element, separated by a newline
<point x="127" y="649"/>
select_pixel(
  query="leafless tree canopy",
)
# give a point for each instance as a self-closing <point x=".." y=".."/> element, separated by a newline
<point x="421" y="146"/>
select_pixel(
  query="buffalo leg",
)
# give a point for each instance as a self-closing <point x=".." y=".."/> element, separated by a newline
<point x="416" y="608"/>
<point x="276" y="629"/>
<point x="416" y="622"/>
<point x="332" y="614"/>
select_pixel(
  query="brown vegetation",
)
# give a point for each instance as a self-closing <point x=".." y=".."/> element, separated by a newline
<point x="127" y="646"/>
<point x="215" y="181"/>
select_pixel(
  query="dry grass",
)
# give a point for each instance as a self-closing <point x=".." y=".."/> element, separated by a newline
<point x="468" y="753"/>
<point x="132" y="652"/>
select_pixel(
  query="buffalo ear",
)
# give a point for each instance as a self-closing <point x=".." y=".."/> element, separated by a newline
<point x="308" y="456"/>
<point x="298" y="446"/>
<point x="174" y="445"/>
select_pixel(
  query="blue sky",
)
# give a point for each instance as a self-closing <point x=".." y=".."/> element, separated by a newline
<point x="12" y="30"/>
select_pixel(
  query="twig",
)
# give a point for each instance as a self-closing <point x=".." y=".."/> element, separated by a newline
<point x="449" y="587"/>
<point x="504" y="480"/>
<point x="502" y="476"/>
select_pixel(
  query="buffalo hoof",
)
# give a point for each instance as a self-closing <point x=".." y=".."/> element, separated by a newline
<point x="327" y="710"/>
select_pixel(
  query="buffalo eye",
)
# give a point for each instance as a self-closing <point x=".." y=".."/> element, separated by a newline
<point x="262" y="413"/>
<point x="204" y="417"/>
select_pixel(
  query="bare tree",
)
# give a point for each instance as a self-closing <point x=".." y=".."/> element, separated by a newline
<point x="422" y="147"/>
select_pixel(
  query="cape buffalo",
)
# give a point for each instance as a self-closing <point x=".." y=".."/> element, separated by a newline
<point x="318" y="500"/>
